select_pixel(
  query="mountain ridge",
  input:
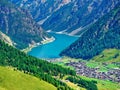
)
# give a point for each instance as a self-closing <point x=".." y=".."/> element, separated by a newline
<point x="18" y="24"/>
<point x="78" y="14"/>
<point x="41" y="9"/>
<point x="66" y="16"/>
<point x="104" y="34"/>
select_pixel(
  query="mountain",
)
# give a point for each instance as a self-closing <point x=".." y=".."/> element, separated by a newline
<point x="77" y="15"/>
<point x="19" y="25"/>
<point x="67" y="16"/>
<point x="11" y="79"/>
<point x="104" y="34"/>
<point x="41" y="9"/>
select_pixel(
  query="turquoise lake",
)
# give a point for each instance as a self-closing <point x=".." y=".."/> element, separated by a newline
<point x="53" y="49"/>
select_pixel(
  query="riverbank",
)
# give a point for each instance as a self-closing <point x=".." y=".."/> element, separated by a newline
<point x="45" y="41"/>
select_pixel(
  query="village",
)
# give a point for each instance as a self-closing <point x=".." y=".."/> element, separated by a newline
<point x="82" y="69"/>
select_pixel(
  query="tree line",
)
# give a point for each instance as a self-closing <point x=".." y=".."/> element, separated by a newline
<point x="44" y="70"/>
<point x="89" y="85"/>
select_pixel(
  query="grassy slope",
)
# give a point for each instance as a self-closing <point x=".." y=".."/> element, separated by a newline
<point x="108" y="56"/>
<point x="104" y="85"/>
<point x="16" y="80"/>
<point x="74" y="86"/>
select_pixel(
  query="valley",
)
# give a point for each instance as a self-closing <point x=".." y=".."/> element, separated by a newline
<point x="59" y="44"/>
<point x="105" y="66"/>
<point x="105" y="73"/>
<point x="18" y="24"/>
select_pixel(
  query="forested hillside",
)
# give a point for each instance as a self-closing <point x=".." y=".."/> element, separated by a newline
<point x="77" y="15"/>
<point x="18" y="24"/>
<point x="104" y="34"/>
<point x="44" y="70"/>
<point x="22" y="25"/>
<point x="41" y="69"/>
<point x="41" y="9"/>
<point x="68" y="16"/>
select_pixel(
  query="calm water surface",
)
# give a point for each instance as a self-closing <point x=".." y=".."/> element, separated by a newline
<point x="53" y="49"/>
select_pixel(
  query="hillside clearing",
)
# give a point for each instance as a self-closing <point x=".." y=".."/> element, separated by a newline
<point x="16" y="80"/>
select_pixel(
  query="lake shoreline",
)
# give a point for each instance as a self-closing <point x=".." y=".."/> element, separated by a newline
<point x="53" y="49"/>
<point x="45" y="41"/>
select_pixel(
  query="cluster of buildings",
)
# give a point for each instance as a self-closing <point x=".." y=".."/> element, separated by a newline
<point x="82" y="69"/>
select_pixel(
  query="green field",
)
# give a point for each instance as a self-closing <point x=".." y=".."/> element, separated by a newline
<point x="101" y="84"/>
<point x="62" y="62"/>
<point x="104" y="85"/>
<point x="16" y="80"/>
<point x="96" y="61"/>
<point x="108" y="55"/>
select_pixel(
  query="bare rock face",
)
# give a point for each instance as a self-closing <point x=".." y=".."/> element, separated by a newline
<point x="18" y="24"/>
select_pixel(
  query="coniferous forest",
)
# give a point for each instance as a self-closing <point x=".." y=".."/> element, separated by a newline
<point x="104" y="34"/>
<point x="44" y="70"/>
<point x="60" y="44"/>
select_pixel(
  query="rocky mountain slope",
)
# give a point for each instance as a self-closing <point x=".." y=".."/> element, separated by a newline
<point x="104" y="34"/>
<point x="18" y="24"/>
<point x="6" y="39"/>
<point x="77" y="15"/>
<point x="41" y="9"/>
<point x="68" y="16"/>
